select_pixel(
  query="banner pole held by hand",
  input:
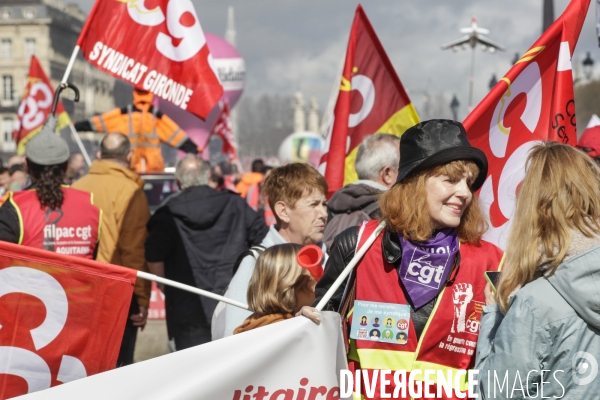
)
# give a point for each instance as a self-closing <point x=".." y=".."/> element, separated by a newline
<point x="188" y="288"/>
<point x="357" y="257"/>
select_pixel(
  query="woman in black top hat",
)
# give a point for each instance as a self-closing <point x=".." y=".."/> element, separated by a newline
<point x="430" y="252"/>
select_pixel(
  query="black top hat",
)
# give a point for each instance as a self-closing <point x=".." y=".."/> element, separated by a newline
<point x="437" y="142"/>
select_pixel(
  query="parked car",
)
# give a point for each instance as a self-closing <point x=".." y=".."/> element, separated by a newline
<point x="158" y="187"/>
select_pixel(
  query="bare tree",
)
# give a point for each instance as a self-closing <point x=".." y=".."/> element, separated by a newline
<point x="263" y="124"/>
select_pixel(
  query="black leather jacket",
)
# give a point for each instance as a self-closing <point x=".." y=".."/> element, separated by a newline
<point x="341" y="253"/>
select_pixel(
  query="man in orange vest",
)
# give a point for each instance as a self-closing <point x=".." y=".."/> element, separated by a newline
<point x="252" y="178"/>
<point x="48" y="215"/>
<point x="146" y="128"/>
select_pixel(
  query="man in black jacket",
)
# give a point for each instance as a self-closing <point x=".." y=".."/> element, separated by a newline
<point x="195" y="238"/>
<point x="376" y="165"/>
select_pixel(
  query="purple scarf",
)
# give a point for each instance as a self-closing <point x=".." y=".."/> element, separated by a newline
<point x="425" y="266"/>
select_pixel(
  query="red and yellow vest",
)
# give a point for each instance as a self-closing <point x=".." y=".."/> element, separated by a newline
<point x="72" y="229"/>
<point x="449" y="338"/>
<point x="253" y="199"/>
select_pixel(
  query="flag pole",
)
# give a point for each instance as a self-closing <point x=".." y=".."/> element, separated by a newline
<point x="84" y="30"/>
<point x="70" y="64"/>
<point x="192" y="289"/>
<point x="68" y="73"/>
<point x="80" y="145"/>
<point x="82" y="149"/>
<point x="355" y="260"/>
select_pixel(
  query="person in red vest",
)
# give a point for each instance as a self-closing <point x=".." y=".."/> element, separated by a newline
<point x="427" y="265"/>
<point x="48" y="215"/>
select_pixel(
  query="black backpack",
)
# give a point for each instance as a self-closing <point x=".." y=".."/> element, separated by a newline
<point x="253" y="251"/>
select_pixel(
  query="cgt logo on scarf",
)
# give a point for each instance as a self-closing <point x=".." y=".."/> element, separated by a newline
<point x="421" y="271"/>
<point x="425" y="265"/>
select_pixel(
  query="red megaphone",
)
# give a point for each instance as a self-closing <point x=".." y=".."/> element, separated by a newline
<point x="310" y="257"/>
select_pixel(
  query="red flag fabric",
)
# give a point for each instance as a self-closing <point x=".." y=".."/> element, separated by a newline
<point x="223" y="129"/>
<point x="61" y="318"/>
<point x="371" y="100"/>
<point x="162" y="50"/>
<point x="35" y="106"/>
<point x="590" y="138"/>
<point x="534" y="101"/>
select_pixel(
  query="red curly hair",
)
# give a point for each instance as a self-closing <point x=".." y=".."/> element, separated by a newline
<point x="404" y="206"/>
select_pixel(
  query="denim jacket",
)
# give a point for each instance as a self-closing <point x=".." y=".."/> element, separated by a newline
<point x="550" y="334"/>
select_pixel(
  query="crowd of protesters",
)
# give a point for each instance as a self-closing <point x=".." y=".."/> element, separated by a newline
<point x="195" y="238"/>
<point x="239" y="235"/>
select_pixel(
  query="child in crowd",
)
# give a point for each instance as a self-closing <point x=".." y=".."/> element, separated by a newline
<point x="279" y="287"/>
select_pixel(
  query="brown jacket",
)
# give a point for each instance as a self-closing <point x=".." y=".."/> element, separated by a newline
<point x="256" y="321"/>
<point x="118" y="191"/>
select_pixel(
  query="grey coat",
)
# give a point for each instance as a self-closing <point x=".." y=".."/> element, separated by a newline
<point x="552" y="325"/>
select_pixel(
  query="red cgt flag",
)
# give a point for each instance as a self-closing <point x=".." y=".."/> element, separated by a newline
<point x="61" y="318"/>
<point x="371" y="100"/>
<point x="223" y="129"/>
<point x="534" y="101"/>
<point x="35" y="107"/>
<point x="162" y="50"/>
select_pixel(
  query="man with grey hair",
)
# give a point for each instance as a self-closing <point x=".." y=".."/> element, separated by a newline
<point x="376" y="164"/>
<point x="119" y="192"/>
<point x="191" y="171"/>
<point x="195" y="238"/>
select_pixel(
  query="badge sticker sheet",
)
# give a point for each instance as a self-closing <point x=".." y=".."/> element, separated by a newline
<point x="381" y="322"/>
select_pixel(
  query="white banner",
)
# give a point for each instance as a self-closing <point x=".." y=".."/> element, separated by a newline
<point x="293" y="359"/>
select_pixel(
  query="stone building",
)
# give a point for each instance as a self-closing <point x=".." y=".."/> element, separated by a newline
<point x="49" y="29"/>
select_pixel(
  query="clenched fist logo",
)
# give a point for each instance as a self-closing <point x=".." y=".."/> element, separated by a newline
<point x="461" y="296"/>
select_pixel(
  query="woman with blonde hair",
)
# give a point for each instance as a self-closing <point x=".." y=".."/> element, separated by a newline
<point x="279" y="287"/>
<point x="542" y="327"/>
<point x="426" y="267"/>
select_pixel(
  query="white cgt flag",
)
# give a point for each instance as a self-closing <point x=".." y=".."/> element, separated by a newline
<point x="293" y="359"/>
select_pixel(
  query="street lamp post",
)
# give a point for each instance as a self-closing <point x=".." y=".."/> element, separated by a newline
<point x="588" y="66"/>
<point x="474" y="37"/>
<point x="493" y="81"/>
<point x="454" y="104"/>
